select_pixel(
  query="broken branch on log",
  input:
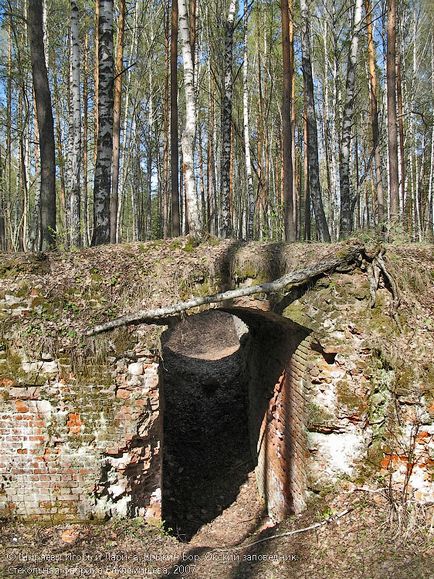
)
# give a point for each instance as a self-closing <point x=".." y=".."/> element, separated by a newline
<point x="348" y="259"/>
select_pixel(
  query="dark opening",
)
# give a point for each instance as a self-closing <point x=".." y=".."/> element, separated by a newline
<point x="206" y="447"/>
<point x="231" y="415"/>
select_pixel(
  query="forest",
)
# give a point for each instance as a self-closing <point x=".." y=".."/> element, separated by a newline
<point x="293" y="120"/>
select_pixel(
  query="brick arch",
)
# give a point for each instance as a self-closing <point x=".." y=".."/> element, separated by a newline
<point x="277" y="407"/>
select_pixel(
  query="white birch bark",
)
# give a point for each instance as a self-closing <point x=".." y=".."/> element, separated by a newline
<point x="74" y="129"/>
<point x="126" y="134"/>
<point x="312" y="144"/>
<point x="248" y="161"/>
<point x="430" y="224"/>
<point x="226" y="228"/>
<point x="103" y="166"/>
<point x="188" y="135"/>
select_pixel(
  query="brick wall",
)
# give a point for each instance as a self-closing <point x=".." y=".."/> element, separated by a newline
<point x="77" y="450"/>
<point x="277" y="409"/>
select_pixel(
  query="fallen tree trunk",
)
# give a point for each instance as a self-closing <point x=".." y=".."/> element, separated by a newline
<point x="348" y="258"/>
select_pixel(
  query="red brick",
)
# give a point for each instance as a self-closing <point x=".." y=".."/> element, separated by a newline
<point x="74" y="423"/>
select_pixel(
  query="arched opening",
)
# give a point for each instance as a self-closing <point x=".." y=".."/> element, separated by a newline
<point x="225" y="381"/>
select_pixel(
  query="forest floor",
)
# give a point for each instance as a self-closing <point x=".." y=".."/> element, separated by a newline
<point x="360" y="544"/>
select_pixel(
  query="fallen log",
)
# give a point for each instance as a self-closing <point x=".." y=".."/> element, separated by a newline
<point x="349" y="258"/>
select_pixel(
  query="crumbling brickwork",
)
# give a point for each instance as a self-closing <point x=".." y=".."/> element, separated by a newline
<point x="77" y="450"/>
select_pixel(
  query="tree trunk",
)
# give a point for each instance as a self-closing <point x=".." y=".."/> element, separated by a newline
<point x="374" y="113"/>
<point x="85" y="212"/>
<point x="296" y="200"/>
<point x="401" y="132"/>
<point x="164" y="190"/>
<point x="392" y="135"/>
<point x="117" y="109"/>
<point x="2" y="207"/>
<point x="312" y="133"/>
<point x="74" y="130"/>
<point x="226" y="124"/>
<point x="45" y="127"/>
<point x="103" y="166"/>
<point x="96" y="80"/>
<point x="188" y="136"/>
<point x="174" y="138"/>
<point x="430" y="220"/>
<point x="249" y="178"/>
<point x="306" y="184"/>
<point x="347" y="199"/>
<point x="290" y="232"/>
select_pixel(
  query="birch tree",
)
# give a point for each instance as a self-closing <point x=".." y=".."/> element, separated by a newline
<point x="312" y="132"/>
<point x="226" y="125"/>
<point x="248" y="162"/>
<point x="290" y="230"/>
<point x="392" y="136"/>
<point x="74" y="130"/>
<point x="373" y="108"/>
<point x="174" y="153"/>
<point x="188" y="135"/>
<point x="103" y="165"/>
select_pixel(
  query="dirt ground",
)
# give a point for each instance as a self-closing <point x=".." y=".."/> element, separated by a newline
<point x="360" y="544"/>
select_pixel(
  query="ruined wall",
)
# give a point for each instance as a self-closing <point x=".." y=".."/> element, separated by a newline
<point x="277" y="363"/>
<point x="369" y="390"/>
<point x="74" y="449"/>
<point x="86" y="441"/>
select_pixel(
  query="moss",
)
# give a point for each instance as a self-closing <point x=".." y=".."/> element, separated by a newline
<point x="12" y="369"/>
<point x="175" y="244"/>
<point x="296" y="312"/>
<point x="123" y="340"/>
<point x="348" y="398"/>
<point x="317" y="415"/>
<point x="249" y="270"/>
<point x="23" y="291"/>
<point x="190" y="245"/>
<point x="405" y="379"/>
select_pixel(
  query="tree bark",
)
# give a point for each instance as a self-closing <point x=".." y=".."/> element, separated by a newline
<point x="226" y="124"/>
<point x="392" y="134"/>
<point x="164" y="190"/>
<point x="74" y="130"/>
<point x="174" y="137"/>
<point x="117" y="110"/>
<point x="103" y="166"/>
<point x="248" y="162"/>
<point x="306" y="184"/>
<point x="373" y="101"/>
<point x="347" y="198"/>
<point x="45" y="127"/>
<point x="85" y="204"/>
<point x="288" y="183"/>
<point x="312" y="133"/>
<point x="188" y="136"/>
